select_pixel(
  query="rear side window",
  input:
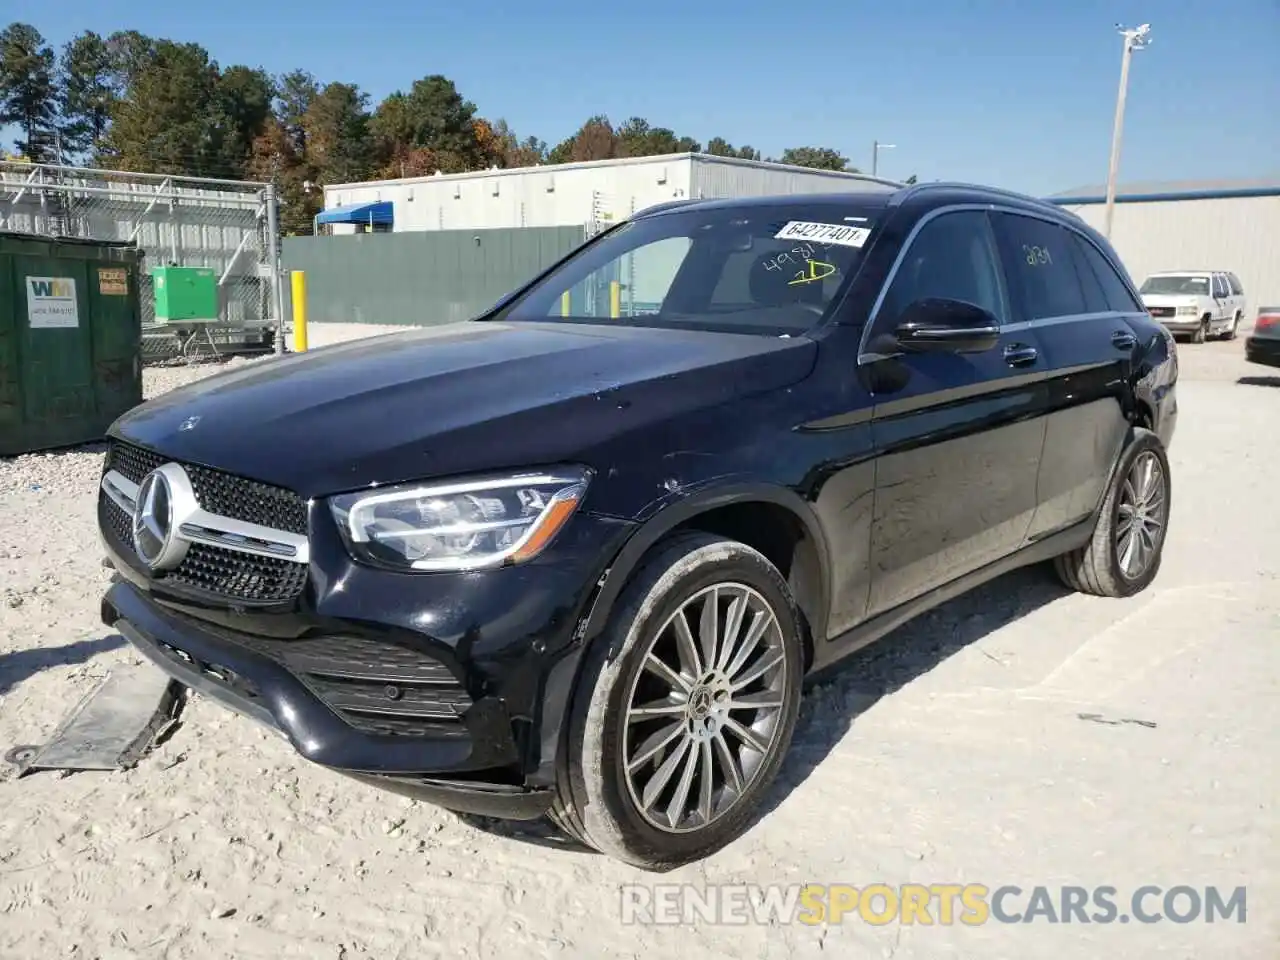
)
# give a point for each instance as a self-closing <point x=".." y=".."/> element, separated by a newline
<point x="1234" y="281"/>
<point x="1040" y="264"/>
<point x="1115" y="291"/>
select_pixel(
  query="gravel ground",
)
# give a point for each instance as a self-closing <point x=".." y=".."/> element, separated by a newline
<point x="955" y="751"/>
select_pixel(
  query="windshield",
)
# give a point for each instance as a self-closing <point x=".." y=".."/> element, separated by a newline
<point x="1189" y="285"/>
<point x="769" y="270"/>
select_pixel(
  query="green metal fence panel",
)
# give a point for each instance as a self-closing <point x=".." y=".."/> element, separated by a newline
<point x="70" y="327"/>
<point x="421" y="278"/>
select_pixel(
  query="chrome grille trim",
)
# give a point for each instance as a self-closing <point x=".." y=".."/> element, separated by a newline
<point x="200" y="526"/>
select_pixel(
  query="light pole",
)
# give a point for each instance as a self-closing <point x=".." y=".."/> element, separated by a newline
<point x="876" y="147"/>
<point x="1134" y="39"/>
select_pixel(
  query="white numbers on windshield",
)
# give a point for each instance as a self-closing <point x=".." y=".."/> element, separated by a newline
<point x="804" y="251"/>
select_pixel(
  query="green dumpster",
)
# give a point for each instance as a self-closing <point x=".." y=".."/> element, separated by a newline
<point x="70" y="339"/>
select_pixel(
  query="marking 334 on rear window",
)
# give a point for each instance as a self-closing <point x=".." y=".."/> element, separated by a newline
<point x="831" y="233"/>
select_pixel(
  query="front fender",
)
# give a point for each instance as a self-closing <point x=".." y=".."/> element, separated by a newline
<point x="682" y="507"/>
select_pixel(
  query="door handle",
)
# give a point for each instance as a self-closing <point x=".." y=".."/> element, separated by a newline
<point x="1123" y="340"/>
<point x="1020" y="355"/>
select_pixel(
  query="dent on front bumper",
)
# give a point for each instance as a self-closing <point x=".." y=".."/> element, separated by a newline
<point x="466" y="716"/>
<point x="214" y="663"/>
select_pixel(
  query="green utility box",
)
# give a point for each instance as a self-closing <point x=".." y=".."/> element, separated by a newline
<point x="70" y="339"/>
<point x="186" y="293"/>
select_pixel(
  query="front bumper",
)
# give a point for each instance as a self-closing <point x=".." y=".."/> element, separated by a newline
<point x="1179" y="325"/>
<point x="451" y="688"/>
<point x="1263" y="350"/>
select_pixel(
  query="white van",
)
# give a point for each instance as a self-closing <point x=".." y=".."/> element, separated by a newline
<point x="1201" y="303"/>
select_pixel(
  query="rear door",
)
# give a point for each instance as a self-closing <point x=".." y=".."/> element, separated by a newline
<point x="957" y="436"/>
<point x="1079" y="317"/>
<point x="1237" y="296"/>
<point x="1221" y="299"/>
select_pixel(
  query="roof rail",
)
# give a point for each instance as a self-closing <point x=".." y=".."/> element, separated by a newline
<point x="917" y="188"/>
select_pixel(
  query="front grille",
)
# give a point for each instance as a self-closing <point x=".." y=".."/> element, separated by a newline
<point x="212" y="570"/>
<point x="1162" y="311"/>
<point x="222" y="493"/>
<point x="231" y="573"/>
<point x="216" y="571"/>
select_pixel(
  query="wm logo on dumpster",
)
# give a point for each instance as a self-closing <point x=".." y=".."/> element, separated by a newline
<point x="51" y="288"/>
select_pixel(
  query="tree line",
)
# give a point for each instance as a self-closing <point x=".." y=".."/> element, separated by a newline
<point x="136" y="103"/>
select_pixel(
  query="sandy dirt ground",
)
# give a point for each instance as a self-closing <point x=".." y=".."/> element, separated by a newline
<point x="955" y="751"/>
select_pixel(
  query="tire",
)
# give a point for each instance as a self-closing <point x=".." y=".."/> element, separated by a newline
<point x="1201" y="332"/>
<point x="1231" y="331"/>
<point x="1097" y="568"/>
<point x="597" y="802"/>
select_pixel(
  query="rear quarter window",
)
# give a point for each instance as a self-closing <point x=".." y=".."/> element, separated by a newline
<point x="1115" y="291"/>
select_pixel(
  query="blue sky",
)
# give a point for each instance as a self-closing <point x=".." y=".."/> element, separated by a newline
<point x="1018" y="93"/>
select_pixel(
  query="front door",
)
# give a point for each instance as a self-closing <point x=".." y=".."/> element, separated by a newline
<point x="958" y="437"/>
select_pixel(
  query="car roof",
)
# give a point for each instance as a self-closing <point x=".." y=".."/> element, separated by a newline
<point x="1184" y="273"/>
<point x="875" y="194"/>
<point x="873" y="197"/>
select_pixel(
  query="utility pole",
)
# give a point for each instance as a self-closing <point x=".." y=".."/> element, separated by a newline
<point x="1133" y="40"/>
<point x="876" y="147"/>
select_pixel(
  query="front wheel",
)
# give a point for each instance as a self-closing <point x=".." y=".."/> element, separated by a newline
<point x="686" y="706"/>
<point x="1201" y="332"/>
<point x="1123" y="555"/>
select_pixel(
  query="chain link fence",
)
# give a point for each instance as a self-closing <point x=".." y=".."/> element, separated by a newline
<point x="226" y="225"/>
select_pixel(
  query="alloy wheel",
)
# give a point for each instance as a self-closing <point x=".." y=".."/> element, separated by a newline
<point x="705" y="709"/>
<point x="1142" y="512"/>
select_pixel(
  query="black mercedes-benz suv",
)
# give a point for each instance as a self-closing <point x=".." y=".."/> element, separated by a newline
<point x="574" y="557"/>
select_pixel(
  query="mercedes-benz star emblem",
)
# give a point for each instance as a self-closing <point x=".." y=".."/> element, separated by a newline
<point x="153" y="520"/>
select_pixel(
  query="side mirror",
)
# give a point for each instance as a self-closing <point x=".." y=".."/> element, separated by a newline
<point x="946" y="326"/>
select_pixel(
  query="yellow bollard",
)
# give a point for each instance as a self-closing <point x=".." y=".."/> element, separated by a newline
<point x="564" y="304"/>
<point x="615" y="299"/>
<point x="299" y="311"/>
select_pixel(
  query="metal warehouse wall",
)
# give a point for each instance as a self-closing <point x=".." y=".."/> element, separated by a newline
<point x="596" y="192"/>
<point x="422" y="278"/>
<point x="562" y="195"/>
<point x="722" y="178"/>
<point x="1240" y="234"/>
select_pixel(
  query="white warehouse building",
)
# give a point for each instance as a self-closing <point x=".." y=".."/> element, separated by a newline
<point x="1231" y="225"/>
<point x="591" y="194"/>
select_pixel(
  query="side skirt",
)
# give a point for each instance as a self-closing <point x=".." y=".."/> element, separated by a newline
<point x="868" y="632"/>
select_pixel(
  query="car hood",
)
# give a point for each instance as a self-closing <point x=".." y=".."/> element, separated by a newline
<point x="1171" y="299"/>
<point x="462" y="398"/>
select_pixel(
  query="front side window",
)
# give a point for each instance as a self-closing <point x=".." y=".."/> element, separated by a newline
<point x="764" y="269"/>
<point x="1040" y="264"/>
<point x="1195" y="285"/>
<point x="1219" y="286"/>
<point x="953" y="257"/>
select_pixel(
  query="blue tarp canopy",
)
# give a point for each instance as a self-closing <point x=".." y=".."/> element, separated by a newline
<point x="358" y="213"/>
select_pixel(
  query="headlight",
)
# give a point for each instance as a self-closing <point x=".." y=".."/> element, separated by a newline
<point x="463" y="525"/>
<point x="1188" y="311"/>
